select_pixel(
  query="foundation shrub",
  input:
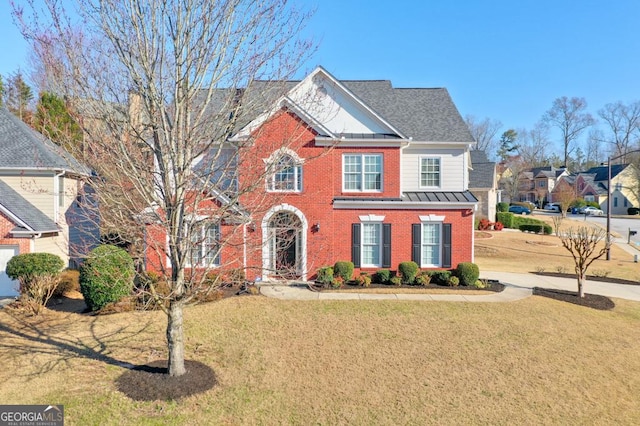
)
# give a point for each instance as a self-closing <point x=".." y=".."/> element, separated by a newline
<point x="382" y="276"/>
<point x="106" y="276"/>
<point x="344" y="270"/>
<point x="468" y="273"/>
<point x="408" y="271"/>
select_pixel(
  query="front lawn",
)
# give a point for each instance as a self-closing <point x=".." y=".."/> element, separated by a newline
<point x="341" y="362"/>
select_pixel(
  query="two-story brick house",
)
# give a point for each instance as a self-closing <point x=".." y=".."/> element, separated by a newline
<point x="371" y="173"/>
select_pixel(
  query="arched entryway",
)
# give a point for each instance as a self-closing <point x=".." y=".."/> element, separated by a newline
<point x="284" y="244"/>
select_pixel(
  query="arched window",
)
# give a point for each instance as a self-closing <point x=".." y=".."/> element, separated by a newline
<point x="287" y="174"/>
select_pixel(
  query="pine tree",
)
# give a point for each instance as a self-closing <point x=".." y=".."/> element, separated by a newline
<point x="53" y="120"/>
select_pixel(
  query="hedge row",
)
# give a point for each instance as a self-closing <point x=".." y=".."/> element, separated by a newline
<point x="510" y="220"/>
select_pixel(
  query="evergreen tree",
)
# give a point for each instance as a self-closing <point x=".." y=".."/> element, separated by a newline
<point x="18" y="95"/>
<point x="53" y="120"/>
<point x="508" y="144"/>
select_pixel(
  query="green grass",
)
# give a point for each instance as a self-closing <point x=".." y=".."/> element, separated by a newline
<point x="343" y="362"/>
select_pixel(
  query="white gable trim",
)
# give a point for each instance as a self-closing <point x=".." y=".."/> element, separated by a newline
<point x="15" y="219"/>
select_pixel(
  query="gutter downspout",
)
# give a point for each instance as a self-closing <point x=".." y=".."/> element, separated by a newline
<point x="56" y="205"/>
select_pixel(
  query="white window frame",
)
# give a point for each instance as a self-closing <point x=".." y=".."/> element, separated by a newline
<point x="295" y="164"/>
<point x="430" y="157"/>
<point x="424" y="245"/>
<point x="201" y="238"/>
<point x="362" y="173"/>
<point x="363" y="225"/>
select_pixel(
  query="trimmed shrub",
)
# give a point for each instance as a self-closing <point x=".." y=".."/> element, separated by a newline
<point x="364" y="280"/>
<point x="505" y="218"/>
<point x="453" y="281"/>
<point x="383" y="276"/>
<point x="536" y="228"/>
<point x="502" y="207"/>
<point x="397" y="281"/>
<point x="37" y="274"/>
<point x="440" y="277"/>
<point x="106" y="276"/>
<point x="485" y="224"/>
<point x="325" y="275"/>
<point x="344" y="270"/>
<point x="468" y="273"/>
<point x="408" y="271"/>
<point x="423" y="278"/>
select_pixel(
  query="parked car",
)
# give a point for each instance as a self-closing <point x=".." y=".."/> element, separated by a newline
<point x="592" y="211"/>
<point x="519" y="210"/>
<point x="552" y="206"/>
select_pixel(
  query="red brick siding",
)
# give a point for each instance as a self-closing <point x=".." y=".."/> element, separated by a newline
<point x="6" y="225"/>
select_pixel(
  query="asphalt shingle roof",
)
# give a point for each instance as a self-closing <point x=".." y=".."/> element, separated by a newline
<point x="25" y="211"/>
<point x="21" y="147"/>
<point x="483" y="171"/>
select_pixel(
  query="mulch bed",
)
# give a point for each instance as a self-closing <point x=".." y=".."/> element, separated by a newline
<point x="151" y="382"/>
<point x="589" y="300"/>
<point x="492" y="285"/>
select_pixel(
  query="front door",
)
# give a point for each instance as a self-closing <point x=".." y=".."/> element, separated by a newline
<point x="285" y="238"/>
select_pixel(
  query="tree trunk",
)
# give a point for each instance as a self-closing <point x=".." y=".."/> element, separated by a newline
<point x="175" y="339"/>
<point x="582" y="278"/>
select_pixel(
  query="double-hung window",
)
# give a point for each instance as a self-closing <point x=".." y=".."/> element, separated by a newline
<point x="430" y="172"/>
<point x="371" y="244"/>
<point x="430" y="246"/>
<point x="287" y="176"/>
<point x="362" y="172"/>
<point x="205" y="245"/>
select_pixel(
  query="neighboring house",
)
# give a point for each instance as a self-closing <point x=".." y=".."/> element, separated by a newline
<point x="43" y="202"/>
<point x="483" y="183"/>
<point x="536" y="185"/>
<point x="592" y="185"/>
<point x="374" y="174"/>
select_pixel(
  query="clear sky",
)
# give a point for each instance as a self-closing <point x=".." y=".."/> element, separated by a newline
<point x="502" y="59"/>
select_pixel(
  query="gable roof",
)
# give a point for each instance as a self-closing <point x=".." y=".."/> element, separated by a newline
<point x="601" y="173"/>
<point x="21" y="147"/>
<point x="24" y="214"/>
<point x="420" y="114"/>
<point x="483" y="172"/>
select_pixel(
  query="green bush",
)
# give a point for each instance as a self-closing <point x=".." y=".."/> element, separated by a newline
<point x="453" y="281"/>
<point x="536" y="228"/>
<point x="106" y="276"/>
<point x="593" y="204"/>
<point x="502" y="207"/>
<point x="397" y="281"/>
<point x="423" y="278"/>
<point x="325" y="275"/>
<point x="383" y="276"/>
<point x="37" y="274"/>
<point x="25" y="267"/>
<point x="440" y="277"/>
<point x="468" y="273"/>
<point x="408" y="271"/>
<point x="505" y="218"/>
<point x="343" y="269"/>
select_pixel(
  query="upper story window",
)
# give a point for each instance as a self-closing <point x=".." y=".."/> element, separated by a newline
<point x="541" y="184"/>
<point x="430" y="172"/>
<point x="287" y="173"/>
<point x="362" y="172"/>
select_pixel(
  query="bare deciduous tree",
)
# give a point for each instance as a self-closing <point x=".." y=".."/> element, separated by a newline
<point x="586" y="245"/>
<point x="533" y="145"/>
<point x="622" y="127"/>
<point x="187" y="69"/>
<point x="484" y="132"/>
<point x="569" y="116"/>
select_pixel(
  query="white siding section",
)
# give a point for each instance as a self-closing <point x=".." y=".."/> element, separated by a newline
<point x="452" y="168"/>
<point x="54" y="245"/>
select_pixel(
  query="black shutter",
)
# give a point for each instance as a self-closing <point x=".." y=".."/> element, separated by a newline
<point x="446" y="245"/>
<point x="416" y="243"/>
<point x="355" y="244"/>
<point x="386" y="245"/>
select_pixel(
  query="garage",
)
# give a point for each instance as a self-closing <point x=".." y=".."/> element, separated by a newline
<point x="8" y="287"/>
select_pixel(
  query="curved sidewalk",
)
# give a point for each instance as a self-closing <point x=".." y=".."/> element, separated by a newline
<point x="301" y="292"/>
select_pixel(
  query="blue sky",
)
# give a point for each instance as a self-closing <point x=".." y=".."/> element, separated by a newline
<point x="507" y="60"/>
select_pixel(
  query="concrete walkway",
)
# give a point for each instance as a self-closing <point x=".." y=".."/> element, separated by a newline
<point x="517" y="286"/>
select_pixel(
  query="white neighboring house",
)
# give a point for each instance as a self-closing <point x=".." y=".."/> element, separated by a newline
<point x="44" y="203"/>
